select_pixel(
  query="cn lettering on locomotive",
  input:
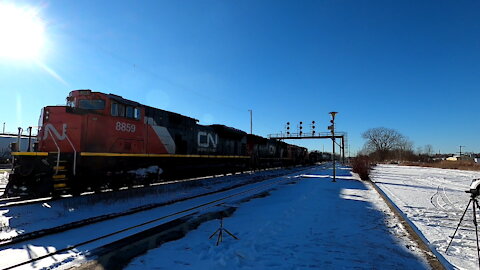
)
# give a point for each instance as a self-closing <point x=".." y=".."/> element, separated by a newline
<point x="50" y="129"/>
<point x="207" y="140"/>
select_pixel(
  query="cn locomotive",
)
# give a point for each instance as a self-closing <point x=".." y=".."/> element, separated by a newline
<point x="99" y="141"/>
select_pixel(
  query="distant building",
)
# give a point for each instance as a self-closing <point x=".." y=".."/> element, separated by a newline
<point x="454" y="158"/>
<point x="463" y="158"/>
<point x="6" y="140"/>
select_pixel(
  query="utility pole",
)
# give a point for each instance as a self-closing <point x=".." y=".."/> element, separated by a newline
<point x="251" y="122"/>
<point x="461" y="150"/>
<point x="332" y="130"/>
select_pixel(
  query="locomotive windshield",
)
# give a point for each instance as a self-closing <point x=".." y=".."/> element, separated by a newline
<point x="96" y="104"/>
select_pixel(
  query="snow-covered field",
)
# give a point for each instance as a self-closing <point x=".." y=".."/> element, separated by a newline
<point x="312" y="223"/>
<point x="434" y="200"/>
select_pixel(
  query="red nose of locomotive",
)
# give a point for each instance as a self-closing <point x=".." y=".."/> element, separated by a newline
<point x="59" y="130"/>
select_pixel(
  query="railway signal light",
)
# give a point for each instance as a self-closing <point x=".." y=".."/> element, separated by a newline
<point x="332" y="130"/>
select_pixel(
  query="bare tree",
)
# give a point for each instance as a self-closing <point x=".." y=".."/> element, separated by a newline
<point x="382" y="141"/>
<point x="428" y="150"/>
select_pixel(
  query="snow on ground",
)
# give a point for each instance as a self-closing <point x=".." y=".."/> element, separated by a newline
<point x="28" y="218"/>
<point x="313" y="223"/>
<point x="21" y="252"/>
<point x="434" y="200"/>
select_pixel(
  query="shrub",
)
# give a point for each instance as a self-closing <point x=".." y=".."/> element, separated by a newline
<point x="361" y="165"/>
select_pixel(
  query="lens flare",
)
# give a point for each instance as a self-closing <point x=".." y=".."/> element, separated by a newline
<point x="22" y="32"/>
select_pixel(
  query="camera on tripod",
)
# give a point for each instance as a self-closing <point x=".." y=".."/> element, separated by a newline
<point x="474" y="192"/>
<point x="474" y="188"/>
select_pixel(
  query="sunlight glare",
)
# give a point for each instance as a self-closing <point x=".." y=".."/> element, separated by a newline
<point x="21" y="32"/>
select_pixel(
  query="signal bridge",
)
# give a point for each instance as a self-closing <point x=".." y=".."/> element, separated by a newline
<point x="313" y="135"/>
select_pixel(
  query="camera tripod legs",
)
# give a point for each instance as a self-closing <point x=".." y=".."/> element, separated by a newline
<point x="474" y="206"/>
<point x="475" y="202"/>
<point x="220" y="233"/>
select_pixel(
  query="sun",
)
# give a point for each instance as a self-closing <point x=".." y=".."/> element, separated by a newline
<point x="22" y="32"/>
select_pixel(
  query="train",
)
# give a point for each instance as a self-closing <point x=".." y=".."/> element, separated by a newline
<point x="103" y="141"/>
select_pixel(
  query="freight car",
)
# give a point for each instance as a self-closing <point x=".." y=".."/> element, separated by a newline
<point x="102" y="141"/>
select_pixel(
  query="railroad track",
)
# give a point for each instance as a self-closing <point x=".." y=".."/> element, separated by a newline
<point x="21" y="201"/>
<point x="214" y="199"/>
<point x="63" y="227"/>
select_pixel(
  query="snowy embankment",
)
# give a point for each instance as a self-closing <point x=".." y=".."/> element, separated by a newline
<point x="311" y="223"/>
<point x="434" y="200"/>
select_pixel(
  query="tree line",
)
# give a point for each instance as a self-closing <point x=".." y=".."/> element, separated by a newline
<point x="388" y="144"/>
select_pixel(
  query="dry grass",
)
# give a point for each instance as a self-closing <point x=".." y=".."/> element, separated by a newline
<point x="361" y="165"/>
<point x="456" y="165"/>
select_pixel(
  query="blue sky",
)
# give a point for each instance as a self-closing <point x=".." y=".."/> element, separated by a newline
<point x="409" y="65"/>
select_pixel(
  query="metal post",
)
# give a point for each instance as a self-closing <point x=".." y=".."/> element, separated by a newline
<point x="251" y="122"/>
<point x="20" y="130"/>
<point x="343" y="150"/>
<point x="333" y="157"/>
<point x="29" y="139"/>
<point x="332" y="130"/>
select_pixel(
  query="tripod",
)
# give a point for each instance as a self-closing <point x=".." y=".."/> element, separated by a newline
<point x="220" y="233"/>
<point x="474" y="202"/>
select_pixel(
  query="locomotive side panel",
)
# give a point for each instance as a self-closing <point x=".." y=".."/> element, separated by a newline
<point x="58" y="127"/>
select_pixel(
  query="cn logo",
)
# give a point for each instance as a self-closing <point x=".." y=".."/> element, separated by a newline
<point x="50" y="129"/>
<point x="207" y="140"/>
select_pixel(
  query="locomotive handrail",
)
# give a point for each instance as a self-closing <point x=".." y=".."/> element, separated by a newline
<point x="20" y="131"/>
<point x="74" y="154"/>
<point x="58" y="149"/>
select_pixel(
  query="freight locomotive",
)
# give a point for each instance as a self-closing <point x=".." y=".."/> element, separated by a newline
<point x="100" y="141"/>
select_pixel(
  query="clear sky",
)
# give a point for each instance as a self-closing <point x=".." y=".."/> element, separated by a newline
<point x="409" y="65"/>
